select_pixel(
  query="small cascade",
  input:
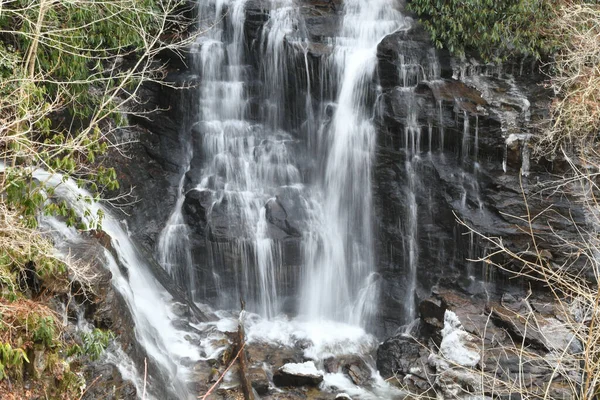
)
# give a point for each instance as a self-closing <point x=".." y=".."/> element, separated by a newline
<point x="339" y="259"/>
<point x="240" y="165"/>
<point x="284" y="29"/>
<point x="174" y="248"/>
<point x="148" y="302"/>
<point x="412" y="148"/>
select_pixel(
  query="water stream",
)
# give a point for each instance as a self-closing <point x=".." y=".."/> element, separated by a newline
<point x="148" y="302"/>
<point x="341" y="263"/>
<point x="249" y="173"/>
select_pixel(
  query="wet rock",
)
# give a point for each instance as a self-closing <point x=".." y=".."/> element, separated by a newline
<point x="272" y="354"/>
<point x="108" y="383"/>
<point x="432" y="311"/>
<point x="180" y="310"/>
<point x="195" y="207"/>
<point x="523" y="324"/>
<point x="358" y="374"/>
<point x="278" y="217"/>
<point x="473" y="340"/>
<point x="402" y="356"/>
<point x="352" y="366"/>
<point x="259" y="379"/>
<point x="305" y="374"/>
<point x="417" y="384"/>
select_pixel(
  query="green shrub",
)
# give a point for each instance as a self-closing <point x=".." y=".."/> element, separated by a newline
<point x="95" y="342"/>
<point x="11" y="358"/>
<point x="44" y="331"/>
<point x="493" y="29"/>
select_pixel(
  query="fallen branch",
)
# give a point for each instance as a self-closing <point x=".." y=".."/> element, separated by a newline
<point x="223" y="374"/>
<point x="241" y="342"/>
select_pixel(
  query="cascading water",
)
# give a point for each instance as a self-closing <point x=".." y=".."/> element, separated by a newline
<point x="221" y="107"/>
<point x="244" y="164"/>
<point x="339" y="257"/>
<point x="412" y="148"/>
<point x="147" y="300"/>
<point x="412" y="73"/>
<point x="278" y="167"/>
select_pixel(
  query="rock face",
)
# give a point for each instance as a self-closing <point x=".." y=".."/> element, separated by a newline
<point x="453" y="136"/>
<point x="472" y="125"/>
<point x="463" y="349"/>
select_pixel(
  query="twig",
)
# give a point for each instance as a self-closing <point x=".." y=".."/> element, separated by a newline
<point x="89" y="386"/>
<point x="145" y="377"/>
<point x="224" y="372"/>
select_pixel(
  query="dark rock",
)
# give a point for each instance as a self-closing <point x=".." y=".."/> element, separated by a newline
<point x="195" y="209"/>
<point x="276" y="356"/>
<point x="402" y="356"/>
<point x="108" y="384"/>
<point x="259" y="379"/>
<point x="351" y="365"/>
<point x="28" y="279"/>
<point x="278" y="217"/>
<point x="359" y="374"/>
<point x="304" y="374"/>
<point x="181" y="310"/>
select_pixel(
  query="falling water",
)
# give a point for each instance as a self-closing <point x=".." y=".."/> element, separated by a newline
<point x="339" y="259"/>
<point x="221" y="104"/>
<point x="412" y="146"/>
<point x="146" y="299"/>
<point x="245" y="164"/>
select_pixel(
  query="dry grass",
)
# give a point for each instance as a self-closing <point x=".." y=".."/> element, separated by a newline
<point x="575" y="79"/>
<point x="577" y="296"/>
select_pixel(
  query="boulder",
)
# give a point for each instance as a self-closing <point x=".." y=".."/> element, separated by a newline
<point x="195" y="208"/>
<point x="277" y="217"/>
<point x="401" y="356"/>
<point x="259" y="379"/>
<point x="353" y="366"/>
<point x="305" y="374"/>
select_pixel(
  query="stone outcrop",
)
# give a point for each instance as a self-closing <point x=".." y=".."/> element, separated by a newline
<point x="472" y="345"/>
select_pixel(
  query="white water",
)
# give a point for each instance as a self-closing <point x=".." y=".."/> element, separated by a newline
<point x="244" y="163"/>
<point x="146" y="299"/>
<point x="412" y="148"/>
<point x="339" y="259"/>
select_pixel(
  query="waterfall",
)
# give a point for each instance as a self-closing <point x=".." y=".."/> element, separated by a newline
<point x="339" y="259"/>
<point x="244" y="164"/>
<point x="412" y="148"/>
<point x="249" y="172"/>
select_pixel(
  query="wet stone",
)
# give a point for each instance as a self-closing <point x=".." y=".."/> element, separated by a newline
<point x="259" y="379"/>
<point x="305" y="374"/>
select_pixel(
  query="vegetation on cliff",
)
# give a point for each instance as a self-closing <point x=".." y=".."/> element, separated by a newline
<point x="493" y="29"/>
<point x="69" y="70"/>
<point x="562" y="34"/>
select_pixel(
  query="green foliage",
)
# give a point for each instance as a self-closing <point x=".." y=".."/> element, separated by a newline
<point x="44" y="331"/>
<point x="79" y="38"/>
<point x="64" y="69"/>
<point x="95" y="342"/>
<point x="493" y="29"/>
<point x="11" y="358"/>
